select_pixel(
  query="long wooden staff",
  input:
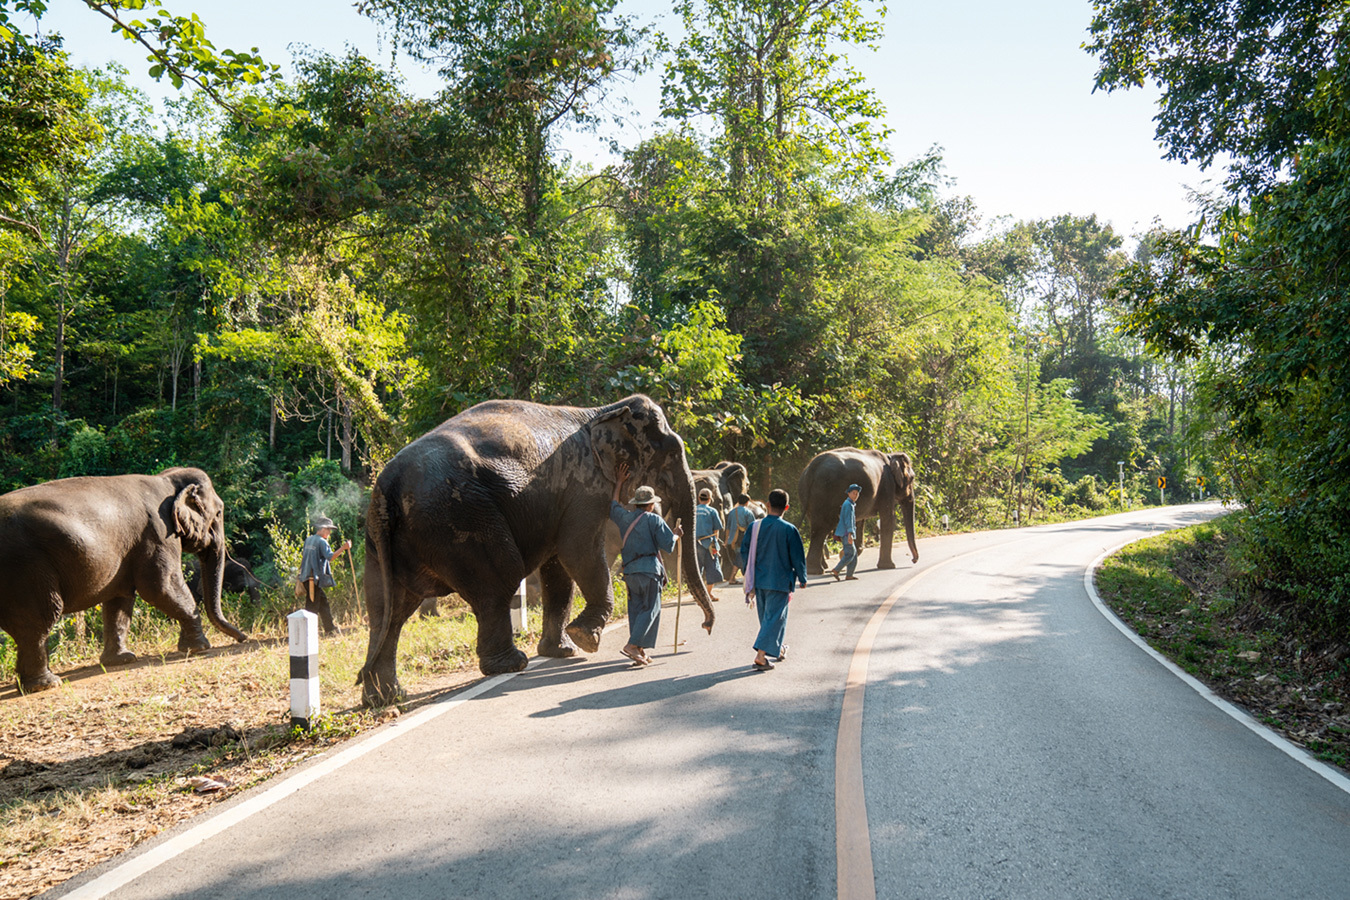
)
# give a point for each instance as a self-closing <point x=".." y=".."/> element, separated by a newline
<point x="679" y="587"/>
<point x="356" y="585"/>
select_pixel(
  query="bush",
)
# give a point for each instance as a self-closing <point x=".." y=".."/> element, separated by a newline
<point x="87" y="454"/>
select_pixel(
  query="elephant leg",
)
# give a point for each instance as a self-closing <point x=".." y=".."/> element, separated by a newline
<point x="379" y="676"/>
<point x="30" y="642"/>
<point x="591" y="575"/>
<point x="428" y="608"/>
<point x="556" y="589"/>
<point x="497" y="650"/>
<point x="815" y="557"/>
<point x="116" y="626"/>
<point x="887" y="538"/>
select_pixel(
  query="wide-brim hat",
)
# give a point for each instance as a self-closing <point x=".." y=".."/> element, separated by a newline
<point x="644" y="496"/>
<point x="323" y="522"/>
<point x="852" y="488"/>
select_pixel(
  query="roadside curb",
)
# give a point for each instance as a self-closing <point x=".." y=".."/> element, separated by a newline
<point x="1293" y="751"/>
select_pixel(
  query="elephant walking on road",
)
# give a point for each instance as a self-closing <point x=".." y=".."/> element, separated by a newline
<point x="498" y="491"/>
<point x="72" y="544"/>
<point x="885" y="481"/>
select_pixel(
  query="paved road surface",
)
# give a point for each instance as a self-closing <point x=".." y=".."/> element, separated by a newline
<point x="1013" y="744"/>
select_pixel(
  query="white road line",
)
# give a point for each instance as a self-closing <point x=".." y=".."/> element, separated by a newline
<point x="1276" y="740"/>
<point x="132" y="869"/>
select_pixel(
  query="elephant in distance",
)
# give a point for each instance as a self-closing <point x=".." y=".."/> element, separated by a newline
<point x="885" y="482"/>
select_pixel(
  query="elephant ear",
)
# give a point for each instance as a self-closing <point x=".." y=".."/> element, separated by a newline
<point x="612" y="434"/>
<point x="902" y="471"/>
<point x="191" y="517"/>
<point x="736" y="478"/>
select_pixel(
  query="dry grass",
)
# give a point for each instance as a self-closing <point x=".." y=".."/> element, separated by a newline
<point x="90" y="769"/>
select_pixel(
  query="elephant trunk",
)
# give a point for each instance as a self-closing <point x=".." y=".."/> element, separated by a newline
<point x="907" y="512"/>
<point x="213" y="585"/>
<point x="683" y="509"/>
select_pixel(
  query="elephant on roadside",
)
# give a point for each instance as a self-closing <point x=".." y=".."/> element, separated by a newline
<point x="239" y="579"/>
<point x="72" y="544"/>
<point x="498" y="491"/>
<point x="885" y="481"/>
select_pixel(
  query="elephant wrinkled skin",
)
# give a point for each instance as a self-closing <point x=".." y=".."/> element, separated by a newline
<point x="494" y="493"/>
<point x="72" y="544"/>
<point x="885" y="481"/>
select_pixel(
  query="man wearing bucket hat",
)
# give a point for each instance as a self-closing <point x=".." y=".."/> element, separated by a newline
<point x="645" y="535"/>
<point x="316" y="573"/>
<point x="847" y="531"/>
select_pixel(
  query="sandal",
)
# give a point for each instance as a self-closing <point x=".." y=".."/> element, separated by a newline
<point x="762" y="666"/>
<point x="638" y="658"/>
<point x="835" y="574"/>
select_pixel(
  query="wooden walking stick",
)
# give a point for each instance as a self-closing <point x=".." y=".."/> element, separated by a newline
<point x="356" y="585"/>
<point x="679" y="588"/>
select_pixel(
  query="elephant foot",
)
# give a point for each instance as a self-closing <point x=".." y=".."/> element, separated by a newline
<point x="188" y="644"/>
<point x="513" y="660"/>
<point x="377" y="692"/>
<point x="559" y="649"/>
<point x="588" y="639"/>
<point x="886" y="564"/>
<point x="44" y="682"/>
<point x="815" y="570"/>
<point x="121" y="658"/>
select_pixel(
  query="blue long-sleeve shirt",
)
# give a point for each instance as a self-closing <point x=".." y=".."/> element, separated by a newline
<point x="314" y="561"/>
<point x="847" y="524"/>
<point x="707" y="521"/>
<point x="641" y="552"/>
<point x="780" y="558"/>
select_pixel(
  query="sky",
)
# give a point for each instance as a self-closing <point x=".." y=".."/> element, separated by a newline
<point x="1003" y="88"/>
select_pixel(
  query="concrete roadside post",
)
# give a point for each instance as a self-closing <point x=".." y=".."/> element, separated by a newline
<point x="303" y="627"/>
<point x="519" y="618"/>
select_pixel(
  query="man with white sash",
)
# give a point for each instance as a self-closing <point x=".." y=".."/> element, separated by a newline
<point x="774" y="559"/>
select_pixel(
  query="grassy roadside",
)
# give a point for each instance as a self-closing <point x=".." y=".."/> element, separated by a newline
<point x="1177" y="592"/>
<point x="94" y="767"/>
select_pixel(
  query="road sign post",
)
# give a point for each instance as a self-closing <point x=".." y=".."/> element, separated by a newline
<point x="303" y="629"/>
<point x="1162" y="490"/>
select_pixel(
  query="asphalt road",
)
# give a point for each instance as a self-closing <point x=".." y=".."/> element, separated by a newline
<point x="1012" y="743"/>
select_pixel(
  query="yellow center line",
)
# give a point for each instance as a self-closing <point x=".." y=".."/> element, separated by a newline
<point x="853" y="839"/>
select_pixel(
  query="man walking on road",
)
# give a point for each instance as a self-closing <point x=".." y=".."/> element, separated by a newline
<point x="645" y="534"/>
<point x="773" y="559"/>
<point x="316" y="572"/>
<point x="739" y="521"/>
<point x="847" y="531"/>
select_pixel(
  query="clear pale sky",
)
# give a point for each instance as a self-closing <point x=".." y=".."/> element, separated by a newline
<point x="1003" y="88"/>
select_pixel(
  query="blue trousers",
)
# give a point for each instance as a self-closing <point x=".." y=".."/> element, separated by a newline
<point x="772" y="607"/>
<point x="849" y="557"/>
<point x="710" y="564"/>
<point x="644" y="609"/>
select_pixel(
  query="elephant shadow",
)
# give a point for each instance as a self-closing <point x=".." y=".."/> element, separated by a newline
<point x="11" y="690"/>
<point x="649" y="690"/>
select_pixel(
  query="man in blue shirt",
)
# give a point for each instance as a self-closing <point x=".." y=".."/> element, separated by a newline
<point x="780" y="560"/>
<point x="707" y="531"/>
<point x="739" y="521"/>
<point x="316" y="573"/>
<point x="847" y="531"/>
<point x="645" y="535"/>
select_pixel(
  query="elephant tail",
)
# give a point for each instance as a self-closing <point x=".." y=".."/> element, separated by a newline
<point x="378" y="528"/>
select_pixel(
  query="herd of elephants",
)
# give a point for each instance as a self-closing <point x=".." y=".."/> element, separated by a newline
<point x="504" y="489"/>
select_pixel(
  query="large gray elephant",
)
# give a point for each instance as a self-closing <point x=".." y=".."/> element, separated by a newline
<point x="885" y="481"/>
<point x="498" y="491"/>
<point x="72" y="544"/>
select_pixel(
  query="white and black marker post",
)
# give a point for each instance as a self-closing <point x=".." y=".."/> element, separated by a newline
<point x="519" y="623"/>
<point x="304" y="633"/>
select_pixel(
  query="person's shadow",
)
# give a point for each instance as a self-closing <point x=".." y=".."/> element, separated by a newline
<point x="646" y="691"/>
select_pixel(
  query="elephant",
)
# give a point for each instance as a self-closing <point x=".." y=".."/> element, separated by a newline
<point x="725" y="480"/>
<point x="239" y="579"/>
<point x="885" y="481"/>
<point x="502" y="489"/>
<point x="72" y="544"/>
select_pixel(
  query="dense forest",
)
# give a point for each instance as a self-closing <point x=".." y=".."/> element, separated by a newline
<point x="283" y="278"/>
